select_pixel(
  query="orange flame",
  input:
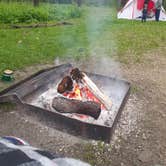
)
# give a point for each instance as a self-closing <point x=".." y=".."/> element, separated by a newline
<point x="82" y="93"/>
<point x="75" y="94"/>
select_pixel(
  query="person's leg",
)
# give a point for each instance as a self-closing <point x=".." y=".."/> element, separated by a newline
<point x="142" y="17"/>
<point x="157" y="14"/>
<point x="145" y="17"/>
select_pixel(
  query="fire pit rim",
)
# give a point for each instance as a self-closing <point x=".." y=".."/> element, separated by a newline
<point x="13" y="97"/>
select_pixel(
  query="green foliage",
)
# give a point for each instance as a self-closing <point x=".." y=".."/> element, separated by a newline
<point x="63" y="12"/>
<point x="135" y="89"/>
<point x="164" y="4"/>
<point x="96" y="32"/>
<point x="26" y="13"/>
<point x="7" y="106"/>
<point x="100" y="2"/>
<point x="97" y="154"/>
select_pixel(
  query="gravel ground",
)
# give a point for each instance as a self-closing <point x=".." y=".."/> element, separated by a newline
<point x="140" y="134"/>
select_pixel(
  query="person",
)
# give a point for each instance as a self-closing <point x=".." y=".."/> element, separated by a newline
<point x="16" y="152"/>
<point x="158" y="5"/>
<point x="144" y="12"/>
<point x="151" y="9"/>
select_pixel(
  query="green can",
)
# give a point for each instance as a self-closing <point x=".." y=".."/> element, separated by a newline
<point x="7" y="76"/>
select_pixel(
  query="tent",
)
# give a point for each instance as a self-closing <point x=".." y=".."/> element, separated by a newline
<point x="133" y="10"/>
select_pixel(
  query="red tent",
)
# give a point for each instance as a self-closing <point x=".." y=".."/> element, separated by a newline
<point x="140" y="4"/>
<point x="133" y="10"/>
<point x="151" y="6"/>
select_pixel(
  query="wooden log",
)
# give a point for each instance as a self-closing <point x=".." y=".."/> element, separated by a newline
<point x="65" y="105"/>
<point x="105" y="100"/>
<point x="65" y="85"/>
<point x="84" y="79"/>
<point x="40" y="25"/>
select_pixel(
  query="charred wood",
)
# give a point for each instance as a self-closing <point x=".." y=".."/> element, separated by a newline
<point x="64" y="105"/>
<point x="65" y="85"/>
<point x="79" y="76"/>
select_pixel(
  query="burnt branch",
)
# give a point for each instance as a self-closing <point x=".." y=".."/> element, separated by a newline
<point x="79" y="76"/>
<point x="65" y="85"/>
<point x="64" y="105"/>
<point x="76" y="74"/>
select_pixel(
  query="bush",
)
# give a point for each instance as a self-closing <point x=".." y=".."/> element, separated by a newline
<point x="164" y="4"/>
<point x="63" y="12"/>
<point x="26" y="13"/>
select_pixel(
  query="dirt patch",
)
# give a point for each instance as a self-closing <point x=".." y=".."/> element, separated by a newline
<point x="145" y="145"/>
<point x="22" y="74"/>
<point x="140" y="135"/>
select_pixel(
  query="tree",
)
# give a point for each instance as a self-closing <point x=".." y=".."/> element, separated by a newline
<point x="164" y="3"/>
<point x="79" y="2"/>
<point x="123" y="2"/>
<point x="36" y="2"/>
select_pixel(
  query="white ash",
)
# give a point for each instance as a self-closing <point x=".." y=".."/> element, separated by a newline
<point x="45" y="101"/>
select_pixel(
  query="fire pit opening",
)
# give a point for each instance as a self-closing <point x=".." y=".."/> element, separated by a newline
<point x="81" y="103"/>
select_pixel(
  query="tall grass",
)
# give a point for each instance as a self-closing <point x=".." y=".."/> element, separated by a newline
<point x="26" y="13"/>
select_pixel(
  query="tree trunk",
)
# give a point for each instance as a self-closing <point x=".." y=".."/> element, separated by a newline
<point x="79" y="2"/>
<point x="36" y="3"/>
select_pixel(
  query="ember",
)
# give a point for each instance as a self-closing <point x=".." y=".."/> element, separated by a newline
<point x="91" y="86"/>
<point x="76" y="93"/>
<point x="80" y="89"/>
<point x="82" y="93"/>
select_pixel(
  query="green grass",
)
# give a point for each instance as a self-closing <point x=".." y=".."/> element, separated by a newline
<point x="26" y="13"/>
<point x="96" y="32"/>
<point x="134" y="38"/>
<point x="97" y="154"/>
<point x="7" y="106"/>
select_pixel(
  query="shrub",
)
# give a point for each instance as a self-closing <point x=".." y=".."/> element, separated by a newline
<point x="26" y="13"/>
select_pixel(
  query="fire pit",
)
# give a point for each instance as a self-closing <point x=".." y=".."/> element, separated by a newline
<point x="37" y="92"/>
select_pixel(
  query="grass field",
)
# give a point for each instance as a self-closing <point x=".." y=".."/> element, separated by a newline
<point x="96" y="32"/>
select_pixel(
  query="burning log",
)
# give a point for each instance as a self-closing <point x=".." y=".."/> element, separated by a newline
<point x="65" y="85"/>
<point x="79" y="76"/>
<point x="64" y="105"/>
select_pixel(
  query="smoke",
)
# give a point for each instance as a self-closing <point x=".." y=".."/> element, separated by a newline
<point x="99" y="60"/>
<point x="100" y="48"/>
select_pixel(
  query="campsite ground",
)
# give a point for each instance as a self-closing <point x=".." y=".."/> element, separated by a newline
<point x="140" y="135"/>
<point x="139" y="57"/>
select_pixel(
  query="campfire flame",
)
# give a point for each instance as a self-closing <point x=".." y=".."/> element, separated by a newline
<point x="82" y="93"/>
<point x="75" y="94"/>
